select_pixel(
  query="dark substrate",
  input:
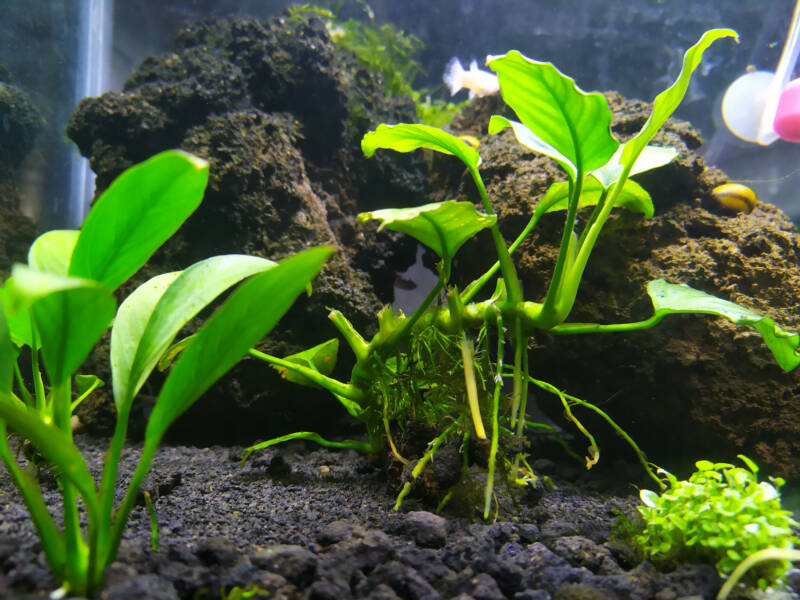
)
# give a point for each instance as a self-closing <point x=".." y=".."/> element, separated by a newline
<point x="304" y="522"/>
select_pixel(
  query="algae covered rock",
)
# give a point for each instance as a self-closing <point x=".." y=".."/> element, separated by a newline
<point x="279" y="112"/>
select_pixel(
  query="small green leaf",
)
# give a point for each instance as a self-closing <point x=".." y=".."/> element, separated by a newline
<point x="52" y="250"/>
<point x="442" y="226"/>
<point x="70" y="315"/>
<point x="668" y="100"/>
<point x="633" y="197"/>
<point x="141" y="209"/>
<point x="405" y="137"/>
<point x="150" y="318"/>
<point x="321" y="358"/>
<point x="527" y="138"/>
<point x="84" y="383"/>
<point x="247" y="316"/>
<point x="670" y="298"/>
<point x="576" y="124"/>
<point x="651" y="157"/>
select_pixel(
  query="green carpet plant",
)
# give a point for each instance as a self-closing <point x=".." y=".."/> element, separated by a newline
<point x="448" y="362"/>
<point x="721" y="515"/>
<point x="57" y="306"/>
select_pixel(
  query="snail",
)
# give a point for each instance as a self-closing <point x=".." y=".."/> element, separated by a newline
<point x="735" y="197"/>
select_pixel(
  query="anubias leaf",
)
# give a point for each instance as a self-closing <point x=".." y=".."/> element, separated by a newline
<point x="671" y="298"/>
<point x="575" y="123"/>
<point x="321" y="358"/>
<point x="633" y="197"/>
<point x="441" y="226"/>
<point x="405" y="137"/>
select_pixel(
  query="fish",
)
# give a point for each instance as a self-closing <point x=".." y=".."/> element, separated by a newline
<point x="735" y="197"/>
<point x="479" y="83"/>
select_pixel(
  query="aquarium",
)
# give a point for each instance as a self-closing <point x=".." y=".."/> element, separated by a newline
<point x="399" y="300"/>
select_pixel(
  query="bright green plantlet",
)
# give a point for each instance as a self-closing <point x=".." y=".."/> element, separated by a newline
<point x="432" y="365"/>
<point x="62" y="316"/>
<point x="321" y="358"/>
<point x="720" y="515"/>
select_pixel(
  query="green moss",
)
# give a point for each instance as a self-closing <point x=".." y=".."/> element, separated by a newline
<point x="385" y="50"/>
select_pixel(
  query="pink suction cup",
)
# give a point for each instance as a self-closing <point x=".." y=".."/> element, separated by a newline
<point x="787" y="115"/>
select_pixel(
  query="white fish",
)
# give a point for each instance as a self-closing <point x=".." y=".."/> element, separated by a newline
<point x="479" y="83"/>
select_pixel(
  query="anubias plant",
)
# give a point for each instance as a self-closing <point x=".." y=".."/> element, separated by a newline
<point x="721" y="515"/>
<point x="411" y="368"/>
<point x="60" y="303"/>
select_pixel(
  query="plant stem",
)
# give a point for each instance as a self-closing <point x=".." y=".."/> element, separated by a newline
<point x="76" y="551"/>
<point x="506" y="265"/>
<point x="553" y="312"/>
<point x="422" y="462"/>
<point x="498" y="388"/>
<point x="334" y="386"/>
<point x="467" y="353"/>
<point x="474" y="287"/>
<point x="23" y="391"/>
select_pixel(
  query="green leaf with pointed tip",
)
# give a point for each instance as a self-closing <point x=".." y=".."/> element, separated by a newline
<point x="405" y="137"/>
<point x="52" y="250"/>
<point x="141" y="209"/>
<point x="70" y="315"/>
<point x="670" y="298"/>
<point x="246" y="316"/>
<point x="651" y="157"/>
<point x="83" y="383"/>
<point x="441" y="226"/>
<point x="576" y="124"/>
<point x="668" y="100"/>
<point x="633" y="197"/>
<point x="150" y="318"/>
<point x="54" y="445"/>
<point x="527" y="138"/>
<point x="321" y="358"/>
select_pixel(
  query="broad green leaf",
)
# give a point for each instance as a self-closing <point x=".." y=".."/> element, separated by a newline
<point x="156" y="311"/>
<point x="321" y="358"/>
<point x="651" y="157"/>
<point x="527" y="138"/>
<point x="576" y="124"/>
<point x="405" y="137"/>
<point x="54" y="445"/>
<point x="126" y="334"/>
<point x="141" y="209"/>
<point x="668" y="100"/>
<point x="442" y="226"/>
<point x="670" y="298"/>
<point x="247" y="316"/>
<point x="633" y="197"/>
<point x="52" y="250"/>
<point x="70" y="315"/>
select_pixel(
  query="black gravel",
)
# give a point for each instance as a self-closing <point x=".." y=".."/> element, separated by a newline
<point x="302" y="522"/>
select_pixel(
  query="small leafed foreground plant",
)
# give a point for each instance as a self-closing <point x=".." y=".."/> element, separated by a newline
<point x="430" y="366"/>
<point x="721" y="515"/>
<point x="57" y="306"/>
